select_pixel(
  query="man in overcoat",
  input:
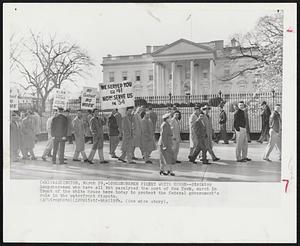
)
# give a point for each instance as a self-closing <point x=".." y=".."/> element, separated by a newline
<point x="147" y="139"/>
<point x="96" y="126"/>
<point x="114" y="133"/>
<point x="209" y="130"/>
<point x="193" y="137"/>
<point x="175" y="126"/>
<point x="78" y="129"/>
<point x="127" y="137"/>
<point x="59" y="131"/>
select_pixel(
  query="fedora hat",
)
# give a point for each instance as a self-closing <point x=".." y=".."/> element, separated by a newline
<point x="167" y="115"/>
<point x="206" y="107"/>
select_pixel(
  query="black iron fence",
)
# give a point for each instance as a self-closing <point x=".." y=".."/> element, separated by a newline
<point x="185" y="105"/>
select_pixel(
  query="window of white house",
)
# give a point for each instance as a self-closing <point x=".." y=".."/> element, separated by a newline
<point x="111" y="77"/>
<point x="150" y="75"/>
<point x="124" y="76"/>
<point x="137" y="75"/>
<point x="187" y="74"/>
<point x="205" y="74"/>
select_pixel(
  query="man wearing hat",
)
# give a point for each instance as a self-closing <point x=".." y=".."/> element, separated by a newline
<point x="59" y="131"/>
<point x="70" y="127"/>
<point x="166" y="154"/>
<point x="193" y="136"/>
<point x="127" y="137"/>
<point x="78" y="127"/>
<point x="96" y="125"/>
<point x="208" y="124"/>
<point x="200" y="130"/>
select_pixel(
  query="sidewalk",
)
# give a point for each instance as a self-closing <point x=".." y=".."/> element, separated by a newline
<point x="225" y="170"/>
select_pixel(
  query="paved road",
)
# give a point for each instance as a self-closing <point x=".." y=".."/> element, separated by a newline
<point x="227" y="169"/>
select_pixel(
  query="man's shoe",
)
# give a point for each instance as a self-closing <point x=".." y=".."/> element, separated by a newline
<point x="90" y="162"/>
<point x="266" y="159"/>
<point x="247" y="159"/>
<point x="242" y="160"/>
<point x="134" y="158"/>
<point x="132" y="162"/>
<point x="103" y="162"/>
<point x="216" y="159"/>
<point x="119" y="159"/>
<point x="114" y="156"/>
<point x="76" y="160"/>
<point x="259" y="141"/>
<point x="62" y="163"/>
<point x="178" y="161"/>
<point x="194" y="162"/>
<point x="86" y="160"/>
<point x="44" y="158"/>
<point x="149" y="162"/>
<point x="206" y="162"/>
<point x="226" y="142"/>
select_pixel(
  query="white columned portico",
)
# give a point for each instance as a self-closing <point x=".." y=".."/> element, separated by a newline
<point x="173" y="78"/>
<point x="192" y="77"/>
<point x="211" y="72"/>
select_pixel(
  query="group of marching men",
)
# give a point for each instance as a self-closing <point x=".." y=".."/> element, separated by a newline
<point x="137" y="130"/>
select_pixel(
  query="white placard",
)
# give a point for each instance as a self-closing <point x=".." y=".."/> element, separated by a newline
<point x="116" y="95"/>
<point x="14" y="105"/>
<point x="60" y="99"/>
<point x="88" y="98"/>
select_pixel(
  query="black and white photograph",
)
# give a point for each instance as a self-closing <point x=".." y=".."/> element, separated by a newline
<point x="190" y="93"/>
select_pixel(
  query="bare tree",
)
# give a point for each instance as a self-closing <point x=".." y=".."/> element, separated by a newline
<point x="262" y="51"/>
<point x="48" y="64"/>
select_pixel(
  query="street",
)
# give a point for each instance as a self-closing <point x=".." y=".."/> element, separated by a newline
<point x="225" y="170"/>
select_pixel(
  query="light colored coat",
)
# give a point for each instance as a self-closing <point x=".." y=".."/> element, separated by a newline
<point x="208" y="125"/>
<point x="28" y="133"/>
<point x="127" y="132"/>
<point x="147" y="140"/>
<point x="165" y="143"/>
<point x="78" y="129"/>
<point x="193" y="135"/>
<point x="137" y="130"/>
<point x="36" y="119"/>
<point x="48" y="126"/>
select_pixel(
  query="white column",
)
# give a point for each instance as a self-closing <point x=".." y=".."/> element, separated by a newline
<point x="192" y="77"/>
<point x="211" y="72"/>
<point x="173" y="78"/>
<point x="155" y="78"/>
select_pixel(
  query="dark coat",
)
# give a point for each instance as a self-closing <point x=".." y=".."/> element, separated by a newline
<point x="28" y="133"/>
<point x="200" y="129"/>
<point x="239" y="120"/>
<point x="265" y="116"/>
<point x="96" y="126"/>
<point x="113" y="126"/>
<point x="223" y="117"/>
<point x="165" y="142"/>
<point x="59" y="126"/>
<point x="153" y="118"/>
<point x="70" y="126"/>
